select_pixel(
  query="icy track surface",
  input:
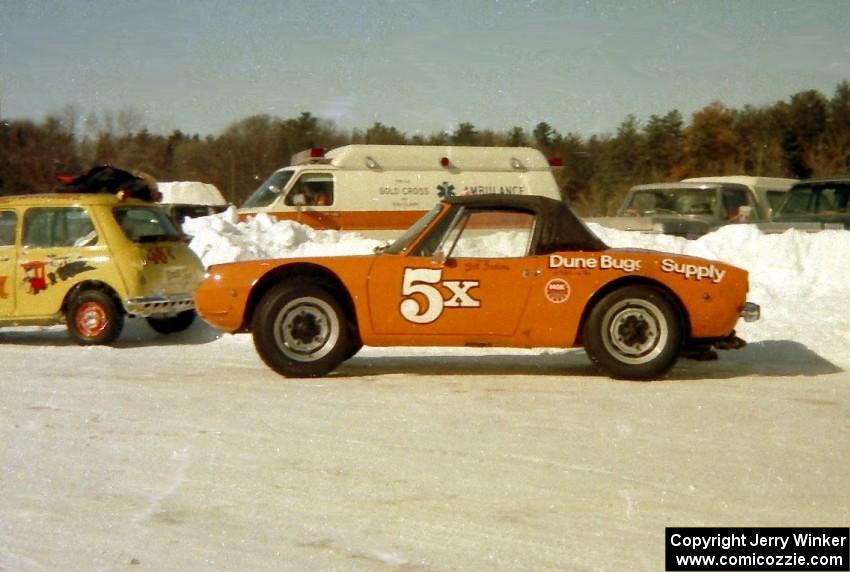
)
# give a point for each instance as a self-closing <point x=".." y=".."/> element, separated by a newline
<point x="187" y="453"/>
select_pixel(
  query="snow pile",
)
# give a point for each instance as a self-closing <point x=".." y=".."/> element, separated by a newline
<point x="221" y="238"/>
<point x="800" y="280"/>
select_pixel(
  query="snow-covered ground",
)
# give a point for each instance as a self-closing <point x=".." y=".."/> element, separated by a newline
<point x="187" y="453"/>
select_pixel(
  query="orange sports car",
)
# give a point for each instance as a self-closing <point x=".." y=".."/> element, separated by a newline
<point x="487" y="270"/>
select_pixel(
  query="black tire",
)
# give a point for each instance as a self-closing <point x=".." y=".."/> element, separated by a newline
<point x="355" y="344"/>
<point x="353" y="348"/>
<point x="174" y="324"/>
<point x="93" y="318"/>
<point x="635" y="332"/>
<point x="301" y="330"/>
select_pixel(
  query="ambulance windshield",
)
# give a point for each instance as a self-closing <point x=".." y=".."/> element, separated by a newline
<point x="269" y="191"/>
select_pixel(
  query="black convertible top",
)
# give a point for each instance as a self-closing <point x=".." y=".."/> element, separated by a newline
<point x="558" y="226"/>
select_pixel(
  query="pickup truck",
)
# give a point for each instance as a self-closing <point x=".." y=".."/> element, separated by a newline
<point x="813" y="205"/>
<point x="694" y="207"/>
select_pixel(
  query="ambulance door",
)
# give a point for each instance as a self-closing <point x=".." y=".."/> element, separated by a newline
<point x="8" y="232"/>
<point x="473" y="280"/>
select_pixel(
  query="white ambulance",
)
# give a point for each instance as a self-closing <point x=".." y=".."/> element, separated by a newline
<point x="380" y="190"/>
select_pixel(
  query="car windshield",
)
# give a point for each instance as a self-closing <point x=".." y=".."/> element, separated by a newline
<point x="815" y="200"/>
<point x="682" y="201"/>
<point x="146" y="224"/>
<point x="402" y="242"/>
<point x="270" y="190"/>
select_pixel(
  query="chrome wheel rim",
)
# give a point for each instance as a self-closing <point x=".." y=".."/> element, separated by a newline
<point x="306" y="329"/>
<point x="635" y="331"/>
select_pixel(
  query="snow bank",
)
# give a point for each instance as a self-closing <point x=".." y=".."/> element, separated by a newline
<point x="801" y="280"/>
<point x="221" y="238"/>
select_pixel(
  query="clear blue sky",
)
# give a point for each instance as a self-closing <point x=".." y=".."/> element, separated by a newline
<point x="421" y="66"/>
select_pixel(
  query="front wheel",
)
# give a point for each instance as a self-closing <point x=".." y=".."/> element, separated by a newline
<point x="635" y="332"/>
<point x="93" y="318"/>
<point x="301" y="330"/>
<point x="174" y="324"/>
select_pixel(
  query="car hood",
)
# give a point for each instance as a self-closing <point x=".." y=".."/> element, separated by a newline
<point x="830" y="221"/>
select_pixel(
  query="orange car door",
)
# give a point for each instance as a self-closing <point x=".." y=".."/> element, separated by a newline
<point x="478" y="297"/>
<point x="474" y="281"/>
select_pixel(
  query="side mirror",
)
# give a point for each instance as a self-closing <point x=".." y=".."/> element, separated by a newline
<point x="439" y="257"/>
<point x="299" y="200"/>
<point x="744" y="212"/>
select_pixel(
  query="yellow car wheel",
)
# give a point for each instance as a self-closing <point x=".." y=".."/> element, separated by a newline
<point x="93" y="318"/>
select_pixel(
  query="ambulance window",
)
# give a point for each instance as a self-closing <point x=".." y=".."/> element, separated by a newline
<point x="312" y="190"/>
<point x="51" y="227"/>
<point x="8" y="223"/>
<point x="269" y="190"/>
<point x="490" y="234"/>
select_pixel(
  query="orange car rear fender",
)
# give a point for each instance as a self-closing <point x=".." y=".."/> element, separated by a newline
<point x="629" y="281"/>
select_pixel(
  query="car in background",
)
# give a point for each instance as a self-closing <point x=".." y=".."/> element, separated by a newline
<point x="694" y="207"/>
<point x="182" y="199"/>
<point x="768" y="192"/>
<point x="486" y="270"/>
<point x="90" y="260"/>
<point x="814" y="204"/>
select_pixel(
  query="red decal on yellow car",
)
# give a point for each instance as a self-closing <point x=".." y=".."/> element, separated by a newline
<point x="34" y="276"/>
<point x="159" y="255"/>
<point x="39" y="275"/>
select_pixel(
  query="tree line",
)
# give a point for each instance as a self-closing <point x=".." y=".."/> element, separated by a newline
<point x="807" y="135"/>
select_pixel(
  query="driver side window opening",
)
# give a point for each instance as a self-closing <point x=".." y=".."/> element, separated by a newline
<point x="733" y="200"/>
<point x="489" y="234"/>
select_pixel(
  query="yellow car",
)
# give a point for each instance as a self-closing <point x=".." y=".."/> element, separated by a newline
<point x="90" y="260"/>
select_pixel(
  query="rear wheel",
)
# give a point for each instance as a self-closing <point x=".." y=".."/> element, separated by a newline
<point x="301" y="330"/>
<point x="635" y="332"/>
<point x="93" y="318"/>
<point x="174" y="324"/>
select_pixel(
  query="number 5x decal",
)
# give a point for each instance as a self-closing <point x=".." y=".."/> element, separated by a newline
<point x="422" y="281"/>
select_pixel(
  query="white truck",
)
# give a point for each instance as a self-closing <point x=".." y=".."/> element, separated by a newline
<point x="380" y="190"/>
<point x="694" y="207"/>
<point x="184" y="199"/>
